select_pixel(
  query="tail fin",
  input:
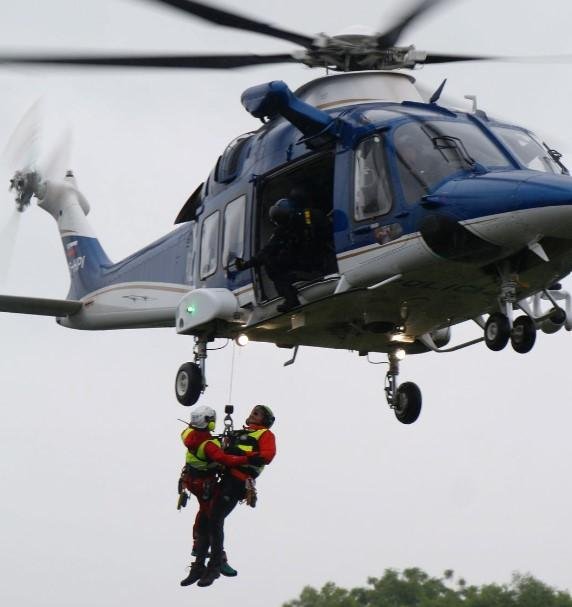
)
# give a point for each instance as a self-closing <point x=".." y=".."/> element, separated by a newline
<point x="85" y="256"/>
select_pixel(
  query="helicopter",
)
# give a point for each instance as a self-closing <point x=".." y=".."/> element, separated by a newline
<point x="437" y="216"/>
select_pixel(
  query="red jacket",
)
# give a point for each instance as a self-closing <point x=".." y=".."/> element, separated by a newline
<point x="212" y="452"/>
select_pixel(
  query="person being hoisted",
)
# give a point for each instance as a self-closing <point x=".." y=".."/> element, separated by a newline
<point x="204" y="460"/>
<point x="237" y="482"/>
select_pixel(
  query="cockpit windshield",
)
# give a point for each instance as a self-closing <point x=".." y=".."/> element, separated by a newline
<point x="528" y="150"/>
<point x="429" y="152"/>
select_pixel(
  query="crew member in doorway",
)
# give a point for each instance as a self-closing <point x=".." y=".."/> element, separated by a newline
<point x="238" y="482"/>
<point x="297" y="248"/>
<point x="204" y="460"/>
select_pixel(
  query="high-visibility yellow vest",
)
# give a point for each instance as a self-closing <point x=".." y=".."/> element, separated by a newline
<point x="198" y="460"/>
<point x="247" y="442"/>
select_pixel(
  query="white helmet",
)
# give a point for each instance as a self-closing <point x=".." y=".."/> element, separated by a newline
<point x="202" y="416"/>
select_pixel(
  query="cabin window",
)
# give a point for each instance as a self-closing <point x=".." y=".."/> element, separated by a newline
<point x="209" y="245"/>
<point x="233" y="239"/>
<point x="372" y="192"/>
<point x="189" y="272"/>
<point x="429" y="152"/>
<point x="530" y="152"/>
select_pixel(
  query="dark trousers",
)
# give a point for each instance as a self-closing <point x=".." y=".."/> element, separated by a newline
<point x="227" y="494"/>
<point x="280" y="273"/>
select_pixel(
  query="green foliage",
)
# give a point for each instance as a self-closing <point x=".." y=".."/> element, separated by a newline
<point x="415" y="588"/>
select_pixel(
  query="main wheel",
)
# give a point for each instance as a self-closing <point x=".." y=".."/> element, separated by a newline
<point x="497" y="332"/>
<point x="188" y="384"/>
<point x="408" y="398"/>
<point x="523" y="334"/>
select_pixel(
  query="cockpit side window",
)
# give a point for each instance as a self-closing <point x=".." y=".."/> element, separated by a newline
<point x="372" y="191"/>
<point x="228" y="164"/>
<point x="528" y="150"/>
<point x="209" y="245"/>
<point x="429" y="152"/>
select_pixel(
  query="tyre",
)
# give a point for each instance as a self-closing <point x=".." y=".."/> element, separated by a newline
<point x="188" y="384"/>
<point x="523" y="334"/>
<point x="497" y="332"/>
<point x="408" y="398"/>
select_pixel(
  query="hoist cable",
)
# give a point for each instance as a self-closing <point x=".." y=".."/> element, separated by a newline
<point x="231" y="373"/>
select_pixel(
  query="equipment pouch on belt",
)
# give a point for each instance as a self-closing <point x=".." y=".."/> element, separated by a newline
<point x="251" y="495"/>
<point x="182" y="501"/>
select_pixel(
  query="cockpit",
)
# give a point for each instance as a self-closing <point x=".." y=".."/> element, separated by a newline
<point x="429" y="152"/>
<point x="426" y="153"/>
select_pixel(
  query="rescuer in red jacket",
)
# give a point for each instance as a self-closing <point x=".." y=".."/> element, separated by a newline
<point x="257" y="441"/>
<point x="204" y="460"/>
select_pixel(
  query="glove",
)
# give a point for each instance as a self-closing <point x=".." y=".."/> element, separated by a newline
<point x="256" y="460"/>
<point x="239" y="263"/>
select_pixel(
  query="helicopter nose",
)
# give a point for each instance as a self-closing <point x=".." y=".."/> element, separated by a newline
<point x="545" y="202"/>
<point x="541" y="206"/>
<point x="450" y="239"/>
<point x="480" y="219"/>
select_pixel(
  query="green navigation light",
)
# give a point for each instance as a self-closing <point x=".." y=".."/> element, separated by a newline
<point x="191" y="309"/>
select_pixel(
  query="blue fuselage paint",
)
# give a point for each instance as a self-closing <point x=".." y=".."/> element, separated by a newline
<point x="163" y="261"/>
<point x="463" y="196"/>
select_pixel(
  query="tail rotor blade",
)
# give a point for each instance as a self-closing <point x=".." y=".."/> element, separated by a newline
<point x="8" y="237"/>
<point x="58" y="160"/>
<point x="23" y="148"/>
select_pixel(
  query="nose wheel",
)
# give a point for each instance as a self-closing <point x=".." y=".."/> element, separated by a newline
<point x="523" y="334"/>
<point x="497" y="332"/>
<point x="500" y="327"/>
<point x="190" y="381"/>
<point x="405" y="400"/>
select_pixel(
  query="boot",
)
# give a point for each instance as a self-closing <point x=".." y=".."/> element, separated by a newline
<point x="196" y="571"/>
<point x="226" y="569"/>
<point x="290" y="295"/>
<point x="290" y="303"/>
<point x="210" y="574"/>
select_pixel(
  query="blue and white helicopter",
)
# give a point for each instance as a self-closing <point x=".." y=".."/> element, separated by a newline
<point x="436" y="216"/>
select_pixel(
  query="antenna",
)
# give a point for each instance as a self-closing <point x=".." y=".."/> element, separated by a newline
<point x="437" y="94"/>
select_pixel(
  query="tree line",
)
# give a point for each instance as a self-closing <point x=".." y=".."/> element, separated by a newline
<point x="415" y="588"/>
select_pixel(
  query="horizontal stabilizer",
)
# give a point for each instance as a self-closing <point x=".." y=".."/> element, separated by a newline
<point x="37" y="305"/>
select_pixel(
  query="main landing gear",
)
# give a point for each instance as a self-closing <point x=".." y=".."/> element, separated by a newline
<point x="405" y="400"/>
<point x="500" y="326"/>
<point x="190" y="381"/>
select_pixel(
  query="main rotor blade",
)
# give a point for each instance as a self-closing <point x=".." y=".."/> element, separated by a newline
<point x="159" y="61"/>
<point x="391" y="36"/>
<point x="228" y="19"/>
<point x="442" y="58"/>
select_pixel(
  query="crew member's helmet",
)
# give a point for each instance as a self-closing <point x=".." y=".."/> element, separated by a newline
<point x="203" y="418"/>
<point x="268" y="415"/>
<point x="281" y="212"/>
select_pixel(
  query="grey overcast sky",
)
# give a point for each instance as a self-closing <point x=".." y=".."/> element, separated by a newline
<point x="89" y="437"/>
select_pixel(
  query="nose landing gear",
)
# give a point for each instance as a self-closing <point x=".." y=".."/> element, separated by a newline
<point x="405" y="400"/>
<point x="500" y="327"/>
<point x="190" y="381"/>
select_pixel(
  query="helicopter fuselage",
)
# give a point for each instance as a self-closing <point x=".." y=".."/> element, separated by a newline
<point x="429" y="209"/>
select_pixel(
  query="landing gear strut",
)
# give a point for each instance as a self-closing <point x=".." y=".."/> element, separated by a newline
<point x="190" y="381"/>
<point x="405" y="400"/>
